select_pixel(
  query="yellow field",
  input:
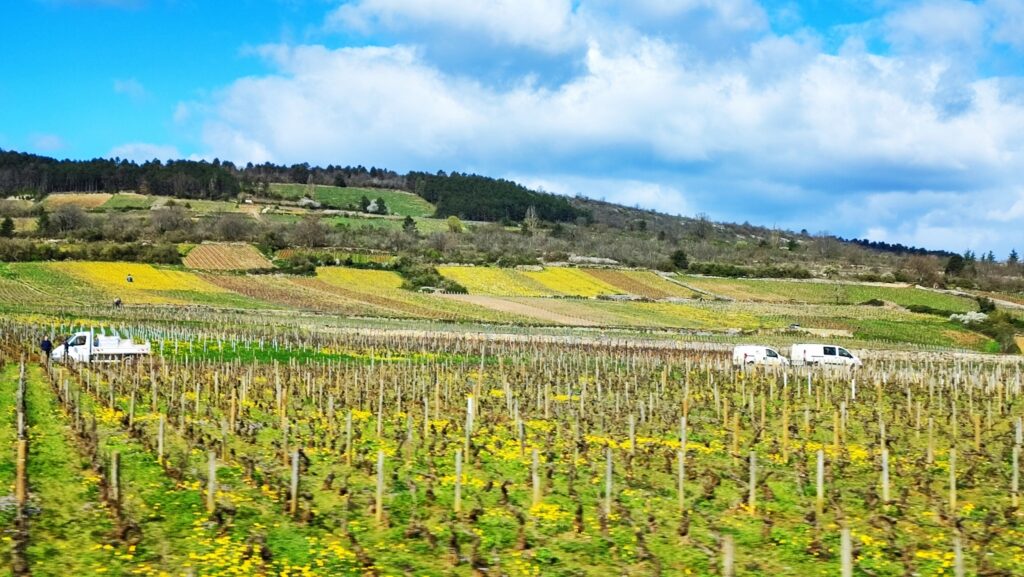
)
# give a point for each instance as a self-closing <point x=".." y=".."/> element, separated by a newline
<point x="85" y="200"/>
<point x="561" y="282"/>
<point x="361" y="280"/>
<point x="149" y="284"/>
<point x="495" y="281"/>
<point x="25" y="224"/>
<point x="571" y="282"/>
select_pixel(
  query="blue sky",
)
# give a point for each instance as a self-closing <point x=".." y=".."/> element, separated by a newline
<point x="897" y="121"/>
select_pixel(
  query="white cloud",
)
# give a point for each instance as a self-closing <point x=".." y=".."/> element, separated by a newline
<point x="772" y="132"/>
<point x="130" y="87"/>
<point x="540" y="24"/>
<point x="144" y="151"/>
<point x="47" y="142"/>
<point x="981" y="220"/>
<point x="1008" y="20"/>
<point x="935" y="24"/>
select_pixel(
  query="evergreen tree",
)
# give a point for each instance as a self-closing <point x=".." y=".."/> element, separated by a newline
<point x="955" y="265"/>
<point x="409" y="225"/>
<point x="1013" y="258"/>
<point x="43" y="223"/>
<point x="679" y="260"/>
<point x="7" y="227"/>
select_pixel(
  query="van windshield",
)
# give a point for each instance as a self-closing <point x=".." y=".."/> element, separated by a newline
<point x="845" y="353"/>
<point x="771" y="353"/>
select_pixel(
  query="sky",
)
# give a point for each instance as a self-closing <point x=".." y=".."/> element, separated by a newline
<point x="881" y="119"/>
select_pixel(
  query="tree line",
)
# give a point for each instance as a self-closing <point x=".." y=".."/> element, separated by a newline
<point x="467" y="196"/>
<point x="474" y="197"/>
<point x="32" y="175"/>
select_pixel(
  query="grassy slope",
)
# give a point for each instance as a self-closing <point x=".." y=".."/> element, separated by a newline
<point x="398" y="202"/>
<point x="128" y="201"/>
<point x="825" y="293"/>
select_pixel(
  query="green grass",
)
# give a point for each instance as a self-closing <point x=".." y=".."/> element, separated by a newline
<point x="825" y="293"/>
<point x="398" y="202"/>
<point x="128" y="202"/>
<point x="67" y="535"/>
<point x="8" y="439"/>
<point x="206" y="206"/>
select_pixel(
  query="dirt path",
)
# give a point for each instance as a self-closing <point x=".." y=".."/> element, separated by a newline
<point x="517" y="308"/>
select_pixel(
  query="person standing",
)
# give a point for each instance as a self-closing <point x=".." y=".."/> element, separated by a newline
<point x="47" y="348"/>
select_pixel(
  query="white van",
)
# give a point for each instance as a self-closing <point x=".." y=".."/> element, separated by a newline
<point x="757" y="355"/>
<point x="823" y="355"/>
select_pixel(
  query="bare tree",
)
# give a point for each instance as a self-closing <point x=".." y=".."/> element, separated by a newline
<point x="310" y="231"/>
<point x="68" y="217"/>
<point x="233" y="226"/>
<point x="170" y="218"/>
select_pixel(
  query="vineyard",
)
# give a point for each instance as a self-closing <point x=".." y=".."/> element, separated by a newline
<point x="826" y="293"/>
<point x="226" y="257"/>
<point x="246" y="450"/>
<point x="352" y="293"/>
<point x="564" y="282"/>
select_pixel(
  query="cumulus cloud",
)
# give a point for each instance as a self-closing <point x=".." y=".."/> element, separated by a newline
<point x="935" y="24"/>
<point x="778" y="127"/>
<point x="1008" y="19"/>
<point x="540" y="24"/>
<point x="144" y="151"/>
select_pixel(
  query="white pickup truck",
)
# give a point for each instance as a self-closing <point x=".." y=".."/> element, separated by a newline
<point x="89" y="347"/>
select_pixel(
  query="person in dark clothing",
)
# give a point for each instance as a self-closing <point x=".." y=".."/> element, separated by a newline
<point x="47" y="347"/>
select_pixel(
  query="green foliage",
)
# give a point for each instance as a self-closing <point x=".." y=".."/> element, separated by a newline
<point x="474" y="197"/>
<point x="409" y="225"/>
<point x="19" y="250"/>
<point x="679" y="260"/>
<point x="1002" y="328"/>
<point x="986" y="305"/>
<point x="7" y="227"/>
<point x="181" y="178"/>
<point x="733" y="271"/>
<point x="358" y="199"/>
<point x="956" y="265"/>
<point x="454" y="224"/>
<point x="418" y="276"/>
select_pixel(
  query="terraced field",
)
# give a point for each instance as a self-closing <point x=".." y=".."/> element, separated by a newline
<point x="39" y="284"/>
<point x="641" y="283"/>
<point x="492" y="281"/>
<point x="222" y="256"/>
<point x="825" y="293"/>
<point x="383" y="289"/>
<point x="563" y="282"/>
<point x="151" y="285"/>
<point x="571" y="282"/>
<point x="86" y="200"/>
